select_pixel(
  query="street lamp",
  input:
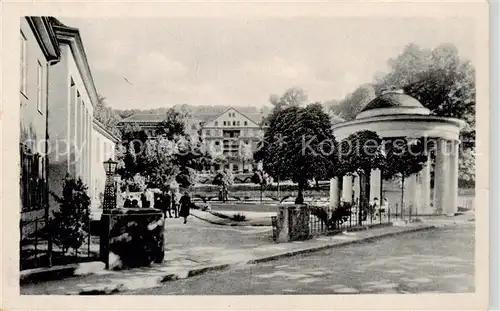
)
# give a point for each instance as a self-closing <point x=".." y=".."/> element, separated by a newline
<point x="109" y="189"/>
<point x="108" y="204"/>
<point x="110" y="167"/>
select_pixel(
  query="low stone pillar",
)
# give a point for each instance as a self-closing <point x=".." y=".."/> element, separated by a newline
<point x="425" y="187"/>
<point x="375" y="186"/>
<point x="334" y="193"/>
<point x="293" y="223"/>
<point x="132" y="237"/>
<point x="347" y="188"/>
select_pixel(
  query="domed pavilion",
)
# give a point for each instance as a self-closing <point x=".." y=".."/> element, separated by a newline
<point x="394" y="115"/>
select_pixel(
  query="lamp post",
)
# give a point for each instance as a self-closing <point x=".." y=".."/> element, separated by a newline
<point x="109" y="189"/>
<point x="109" y="203"/>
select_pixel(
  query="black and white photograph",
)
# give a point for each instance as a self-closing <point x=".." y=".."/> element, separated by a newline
<point x="248" y="155"/>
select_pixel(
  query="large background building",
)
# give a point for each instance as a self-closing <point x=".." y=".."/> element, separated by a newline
<point x="231" y="134"/>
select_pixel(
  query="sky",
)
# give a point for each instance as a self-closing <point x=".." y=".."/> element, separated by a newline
<point x="153" y="63"/>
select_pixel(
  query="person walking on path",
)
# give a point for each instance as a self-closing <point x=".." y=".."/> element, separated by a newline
<point x="150" y="196"/>
<point x="167" y="204"/>
<point x="174" y="205"/>
<point x="144" y="201"/>
<point x="185" y="203"/>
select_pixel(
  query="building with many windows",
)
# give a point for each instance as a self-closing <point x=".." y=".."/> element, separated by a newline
<point x="231" y="135"/>
<point x="235" y="137"/>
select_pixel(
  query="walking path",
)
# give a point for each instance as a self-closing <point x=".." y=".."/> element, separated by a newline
<point x="198" y="247"/>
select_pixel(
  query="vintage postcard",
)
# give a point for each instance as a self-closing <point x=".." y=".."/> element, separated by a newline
<point x="255" y="155"/>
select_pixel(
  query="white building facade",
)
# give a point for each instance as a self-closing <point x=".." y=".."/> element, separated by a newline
<point x="103" y="148"/>
<point x="235" y="137"/>
<point x="72" y="95"/>
<point x="39" y="51"/>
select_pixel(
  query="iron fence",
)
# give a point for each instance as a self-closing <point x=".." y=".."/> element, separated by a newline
<point x="346" y="217"/>
<point x="38" y="248"/>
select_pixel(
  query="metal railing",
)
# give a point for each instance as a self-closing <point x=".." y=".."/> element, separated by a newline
<point x="346" y="217"/>
<point x="38" y="248"/>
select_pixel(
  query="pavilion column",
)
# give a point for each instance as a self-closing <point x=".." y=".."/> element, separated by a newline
<point x="347" y="188"/>
<point x="452" y="199"/>
<point x="357" y="189"/>
<point x="411" y="194"/>
<point x="425" y="187"/>
<point x="375" y="185"/>
<point x="441" y="176"/>
<point x="334" y="193"/>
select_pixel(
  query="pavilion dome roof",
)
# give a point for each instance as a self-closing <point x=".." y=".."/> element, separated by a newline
<point x="393" y="102"/>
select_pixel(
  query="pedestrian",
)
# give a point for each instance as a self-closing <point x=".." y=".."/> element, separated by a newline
<point x="174" y="205"/>
<point x="167" y="203"/>
<point x="375" y="208"/>
<point x="144" y="200"/>
<point x="384" y="206"/>
<point x="185" y="203"/>
<point x="150" y="197"/>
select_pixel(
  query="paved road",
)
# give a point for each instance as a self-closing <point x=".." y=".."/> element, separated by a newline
<point x="441" y="260"/>
<point x="242" y="207"/>
<point x="200" y="233"/>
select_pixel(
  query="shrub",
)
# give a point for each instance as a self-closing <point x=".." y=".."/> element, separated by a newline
<point x="137" y="184"/>
<point x="71" y="222"/>
<point x="340" y="215"/>
<point x="239" y="217"/>
<point x="220" y="215"/>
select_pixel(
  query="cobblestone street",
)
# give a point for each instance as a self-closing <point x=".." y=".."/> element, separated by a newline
<point x="441" y="260"/>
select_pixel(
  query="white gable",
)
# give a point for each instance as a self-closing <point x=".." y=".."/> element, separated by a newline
<point x="231" y="118"/>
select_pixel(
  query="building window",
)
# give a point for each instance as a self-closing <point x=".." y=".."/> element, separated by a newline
<point x="208" y="132"/>
<point x="245" y="123"/>
<point x="234" y="123"/>
<point x="39" y="88"/>
<point x="24" y="66"/>
<point x="238" y="123"/>
<point x="224" y="123"/>
<point x="216" y="123"/>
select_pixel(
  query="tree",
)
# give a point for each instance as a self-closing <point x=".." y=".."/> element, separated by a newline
<point x="187" y="177"/>
<point x="352" y="104"/>
<point x="404" y="157"/>
<point x="177" y="153"/>
<point x="442" y="81"/>
<point x="298" y="145"/>
<point x="439" y="79"/>
<point x="158" y="162"/>
<point x="71" y="222"/>
<point x="106" y="115"/>
<point x="405" y="68"/>
<point x="467" y="168"/>
<point x="361" y="153"/>
<point x="294" y="96"/>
